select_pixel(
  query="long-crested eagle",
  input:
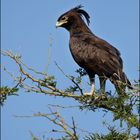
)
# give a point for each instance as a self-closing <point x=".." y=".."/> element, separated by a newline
<point x="92" y="53"/>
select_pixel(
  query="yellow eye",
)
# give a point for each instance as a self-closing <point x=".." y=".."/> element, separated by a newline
<point x="63" y="18"/>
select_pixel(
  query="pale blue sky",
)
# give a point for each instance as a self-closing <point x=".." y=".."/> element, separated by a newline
<point x="26" y="28"/>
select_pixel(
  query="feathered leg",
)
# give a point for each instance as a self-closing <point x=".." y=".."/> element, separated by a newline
<point x="92" y="81"/>
<point x="102" y="80"/>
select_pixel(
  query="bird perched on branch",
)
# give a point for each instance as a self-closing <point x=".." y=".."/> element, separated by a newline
<point x="92" y="53"/>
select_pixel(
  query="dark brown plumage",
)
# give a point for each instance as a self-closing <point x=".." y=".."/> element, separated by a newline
<point x="92" y="53"/>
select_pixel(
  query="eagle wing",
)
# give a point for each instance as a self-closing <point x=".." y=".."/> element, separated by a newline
<point x="95" y="54"/>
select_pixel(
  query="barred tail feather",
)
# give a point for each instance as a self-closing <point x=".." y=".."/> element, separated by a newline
<point x="121" y="81"/>
<point x="125" y="80"/>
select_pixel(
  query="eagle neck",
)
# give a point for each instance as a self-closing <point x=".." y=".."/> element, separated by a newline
<point x="79" y="27"/>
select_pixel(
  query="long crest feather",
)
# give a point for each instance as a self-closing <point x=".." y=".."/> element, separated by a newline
<point x="82" y="12"/>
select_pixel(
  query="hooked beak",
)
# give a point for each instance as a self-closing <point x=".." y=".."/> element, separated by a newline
<point x="58" y="24"/>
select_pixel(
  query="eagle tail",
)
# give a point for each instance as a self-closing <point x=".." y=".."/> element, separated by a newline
<point x="121" y="81"/>
<point x="125" y="80"/>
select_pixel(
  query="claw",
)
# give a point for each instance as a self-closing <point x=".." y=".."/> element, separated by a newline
<point x="91" y="93"/>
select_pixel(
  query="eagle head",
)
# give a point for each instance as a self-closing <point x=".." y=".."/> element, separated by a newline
<point x="72" y="18"/>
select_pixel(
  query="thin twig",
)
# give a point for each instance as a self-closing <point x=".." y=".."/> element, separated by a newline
<point x="70" y="78"/>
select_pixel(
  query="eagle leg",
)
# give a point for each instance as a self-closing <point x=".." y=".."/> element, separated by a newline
<point x="102" y="80"/>
<point x="92" y="91"/>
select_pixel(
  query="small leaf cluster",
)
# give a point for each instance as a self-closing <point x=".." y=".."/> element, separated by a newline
<point x="6" y="91"/>
<point x="112" y="135"/>
<point x="81" y="72"/>
<point x="76" y="81"/>
<point x="50" y="80"/>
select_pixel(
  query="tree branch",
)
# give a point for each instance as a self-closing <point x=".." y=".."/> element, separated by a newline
<point x="121" y="107"/>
